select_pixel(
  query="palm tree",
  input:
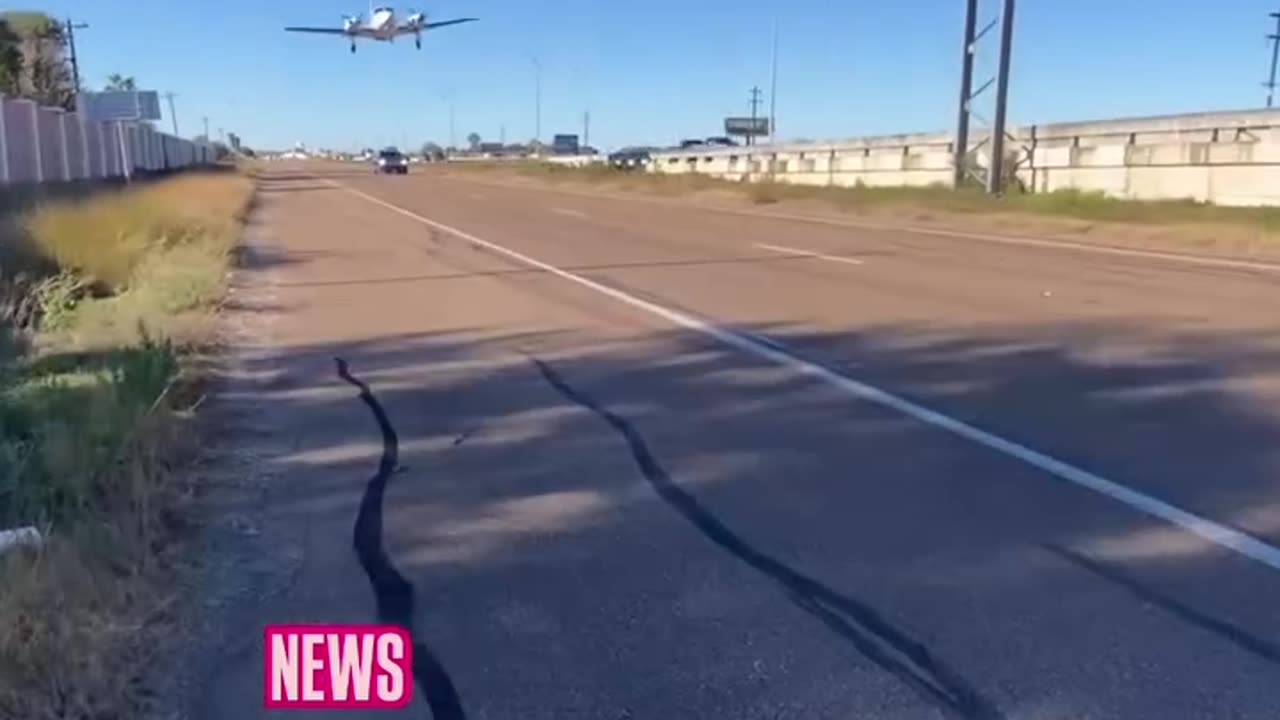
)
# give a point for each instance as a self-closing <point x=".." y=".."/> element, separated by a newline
<point x="120" y="83"/>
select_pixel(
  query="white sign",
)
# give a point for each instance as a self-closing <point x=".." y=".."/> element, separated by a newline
<point x="113" y="106"/>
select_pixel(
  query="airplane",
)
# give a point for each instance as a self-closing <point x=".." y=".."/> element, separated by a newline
<point x="382" y="25"/>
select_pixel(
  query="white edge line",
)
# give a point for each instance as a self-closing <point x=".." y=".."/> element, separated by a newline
<point x="809" y="253"/>
<point x="1214" y="532"/>
<point x="570" y="213"/>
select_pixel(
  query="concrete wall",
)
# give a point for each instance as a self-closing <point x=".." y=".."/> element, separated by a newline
<point x="1230" y="158"/>
<point x="39" y="145"/>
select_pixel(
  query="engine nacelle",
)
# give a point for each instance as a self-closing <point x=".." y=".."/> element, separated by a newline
<point x="349" y="23"/>
<point x="417" y="20"/>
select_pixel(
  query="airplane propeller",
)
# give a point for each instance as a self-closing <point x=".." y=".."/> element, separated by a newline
<point x="416" y="20"/>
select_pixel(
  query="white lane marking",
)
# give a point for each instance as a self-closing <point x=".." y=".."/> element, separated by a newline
<point x="1214" y="532"/>
<point x="1262" y="266"/>
<point x="809" y="253"/>
<point x="570" y="213"/>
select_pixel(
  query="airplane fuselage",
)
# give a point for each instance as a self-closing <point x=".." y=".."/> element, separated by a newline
<point x="381" y="25"/>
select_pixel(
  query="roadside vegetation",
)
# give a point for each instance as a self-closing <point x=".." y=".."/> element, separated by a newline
<point x="1184" y="223"/>
<point x="103" y="300"/>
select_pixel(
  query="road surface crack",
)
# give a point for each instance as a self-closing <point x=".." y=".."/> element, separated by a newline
<point x="861" y="625"/>
<point x="393" y="592"/>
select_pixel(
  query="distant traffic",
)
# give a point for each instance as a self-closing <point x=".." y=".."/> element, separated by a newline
<point x="383" y="26"/>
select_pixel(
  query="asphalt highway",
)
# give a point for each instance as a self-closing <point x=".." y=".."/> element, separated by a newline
<point x="660" y="460"/>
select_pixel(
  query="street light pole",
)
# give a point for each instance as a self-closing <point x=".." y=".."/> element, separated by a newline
<point x="537" y="100"/>
<point x="773" y="88"/>
<point x="173" y="114"/>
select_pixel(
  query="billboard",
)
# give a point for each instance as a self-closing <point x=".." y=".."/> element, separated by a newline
<point x="119" y="105"/>
<point x="565" y="145"/>
<point x="746" y="127"/>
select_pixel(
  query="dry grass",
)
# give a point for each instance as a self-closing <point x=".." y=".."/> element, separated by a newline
<point x="106" y="238"/>
<point x="92" y="441"/>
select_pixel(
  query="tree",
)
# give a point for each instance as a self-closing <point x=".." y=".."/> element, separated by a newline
<point x="474" y="141"/>
<point x="10" y="60"/>
<point x="121" y="83"/>
<point x="33" y="59"/>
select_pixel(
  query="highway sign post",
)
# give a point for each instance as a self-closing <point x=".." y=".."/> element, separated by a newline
<point x="746" y="127"/>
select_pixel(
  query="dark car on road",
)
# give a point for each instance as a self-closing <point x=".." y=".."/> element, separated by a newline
<point x="392" y="161"/>
<point x="630" y="159"/>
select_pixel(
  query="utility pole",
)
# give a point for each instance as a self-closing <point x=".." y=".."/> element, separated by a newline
<point x="206" y="129"/>
<point x="71" y="28"/>
<point x="966" y="90"/>
<point x="995" y="178"/>
<point x="1275" y="56"/>
<point x="968" y="113"/>
<point x="502" y="134"/>
<point x="755" y="113"/>
<point x="586" y="128"/>
<point x="173" y="114"/>
<point x="773" y="87"/>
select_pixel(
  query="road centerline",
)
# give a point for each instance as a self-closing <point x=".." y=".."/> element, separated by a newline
<point x="1214" y="532"/>
<point x="809" y="254"/>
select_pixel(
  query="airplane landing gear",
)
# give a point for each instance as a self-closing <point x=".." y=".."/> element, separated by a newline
<point x="417" y="41"/>
<point x="353" y="47"/>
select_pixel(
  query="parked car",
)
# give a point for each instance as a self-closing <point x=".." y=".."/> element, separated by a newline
<point x="392" y="161"/>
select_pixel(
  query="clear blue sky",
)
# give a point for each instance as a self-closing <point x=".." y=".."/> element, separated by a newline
<point x="656" y="71"/>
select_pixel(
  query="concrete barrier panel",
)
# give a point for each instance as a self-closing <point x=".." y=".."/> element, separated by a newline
<point x="93" y="150"/>
<point x="73" y="135"/>
<point x="111" y="145"/>
<point x="1245" y="185"/>
<point x="20" y="133"/>
<point x="52" y="150"/>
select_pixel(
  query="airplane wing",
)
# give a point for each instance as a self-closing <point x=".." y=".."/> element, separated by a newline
<point x="325" y="31"/>
<point x="443" y="23"/>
